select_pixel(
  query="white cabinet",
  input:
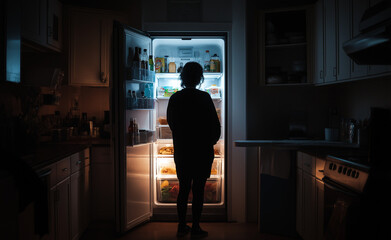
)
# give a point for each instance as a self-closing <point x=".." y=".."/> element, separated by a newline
<point x="343" y="30"/>
<point x="318" y="77"/>
<point x="358" y="9"/>
<point x="69" y="196"/>
<point x="330" y="41"/>
<point x="42" y="23"/>
<point x="90" y="33"/>
<point x="309" y="190"/>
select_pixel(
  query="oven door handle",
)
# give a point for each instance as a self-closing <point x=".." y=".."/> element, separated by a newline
<point x="338" y="189"/>
<point x="44" y="173"/>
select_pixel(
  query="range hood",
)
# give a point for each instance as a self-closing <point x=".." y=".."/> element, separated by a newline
<point x="373" y="44"/>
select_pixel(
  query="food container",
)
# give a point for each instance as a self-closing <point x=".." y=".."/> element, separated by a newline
<point x="165" y="132"/>
<point x="214" y="91"/>
<point x="166" y="166"/>
<point x="162" y="120"/>
<point x="168" y="189"/>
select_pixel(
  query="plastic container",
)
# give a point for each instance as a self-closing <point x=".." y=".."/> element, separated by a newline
<point x="214" y="91"/>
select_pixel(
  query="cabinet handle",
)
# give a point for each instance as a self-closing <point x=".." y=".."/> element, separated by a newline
<point x="320" y="170"/>
<point x="321" y="74"/>
<point x="65" y="169"/>
<point x="78" y="162"/>
<point x="103" y="78"/>
<point x="334" y="71"/>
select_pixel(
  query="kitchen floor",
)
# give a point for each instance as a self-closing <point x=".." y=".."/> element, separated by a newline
<point x="167" y="231"/>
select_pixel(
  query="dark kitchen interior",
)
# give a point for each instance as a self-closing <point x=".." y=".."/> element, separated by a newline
<point x="304" y="101"/>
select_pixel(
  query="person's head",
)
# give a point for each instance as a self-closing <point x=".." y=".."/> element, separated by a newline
<point x="191" y="75"/>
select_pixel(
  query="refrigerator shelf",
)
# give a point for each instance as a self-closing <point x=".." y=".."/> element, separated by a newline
<point x="174" y="177"/>
<point x="176" y="76"/>
<point x="139" y="81"/>
<point x="172" y="156"/>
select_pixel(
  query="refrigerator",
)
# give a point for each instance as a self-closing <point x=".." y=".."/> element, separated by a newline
<point x="145" y="174"/>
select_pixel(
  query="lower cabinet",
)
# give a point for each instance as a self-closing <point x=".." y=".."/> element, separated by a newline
<point x="69" y="197"/>
<point x="309" y="197"/>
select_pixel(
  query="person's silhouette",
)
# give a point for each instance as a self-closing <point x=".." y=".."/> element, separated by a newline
<point x="195" y="128"/>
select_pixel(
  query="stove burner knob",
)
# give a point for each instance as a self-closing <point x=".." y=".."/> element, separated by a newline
<point x="334" y="167"/>
<point x="353" y="173"/>
<point x="344" y="170"/>
<point x="357" y="174"/>
<point x="349" y="172"/>
<point x="340" y="169"/>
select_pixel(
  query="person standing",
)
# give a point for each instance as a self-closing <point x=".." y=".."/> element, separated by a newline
<point x="195" y="128"/>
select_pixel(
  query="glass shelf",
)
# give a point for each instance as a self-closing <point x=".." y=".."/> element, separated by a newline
<point x="176" y="76"/>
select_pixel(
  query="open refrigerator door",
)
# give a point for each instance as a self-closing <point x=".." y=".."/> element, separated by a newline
<point x="170" y="55"/>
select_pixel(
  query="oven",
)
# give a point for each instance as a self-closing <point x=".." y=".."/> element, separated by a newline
<point x="345" y="206"/>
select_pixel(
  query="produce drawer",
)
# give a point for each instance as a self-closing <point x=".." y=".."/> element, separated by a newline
<point x="168" y="189"/>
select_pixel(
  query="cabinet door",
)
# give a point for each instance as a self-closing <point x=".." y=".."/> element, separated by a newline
<point x="52" y="213"/>
<point x="319" y="48"/>
<point x="54" y="24"/>
<point x="309" y="206"/>
<point x="330" y="41"/>
<point x="344" y="34"/>
<point x="320" y="209"/>
<point x="86" y="199"/>
<point x="75" y="204"/>
<point x="89" y="55"/>
<point x="63" y="210"/>
<point x="299" y="202"/>
<point x="34" y="20"/>
<point x="358" y="9"/>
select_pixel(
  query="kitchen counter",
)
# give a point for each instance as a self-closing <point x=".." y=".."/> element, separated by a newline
<point x="51" y="152"/>
<point x="293" y="143"/>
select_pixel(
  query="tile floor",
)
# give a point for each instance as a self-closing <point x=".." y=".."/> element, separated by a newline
<point x="167" y="231"/>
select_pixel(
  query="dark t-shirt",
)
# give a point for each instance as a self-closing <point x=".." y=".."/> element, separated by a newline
<point x="195" y="128"/>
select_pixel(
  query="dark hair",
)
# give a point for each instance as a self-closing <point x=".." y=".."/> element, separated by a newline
<point x="192" y="75"/>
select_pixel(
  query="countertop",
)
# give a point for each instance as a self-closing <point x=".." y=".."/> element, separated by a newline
<point x="293" y="143"/>
<point x="51" y="152"/>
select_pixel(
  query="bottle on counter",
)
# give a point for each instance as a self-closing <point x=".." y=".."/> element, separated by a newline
<point x="136" y="134"/>
<point x="207" y="61"/>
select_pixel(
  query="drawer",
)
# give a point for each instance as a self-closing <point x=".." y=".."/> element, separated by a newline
<point x="76" y="162"/>
<point x="63" y="168"/>
<point x="309" y="163"/>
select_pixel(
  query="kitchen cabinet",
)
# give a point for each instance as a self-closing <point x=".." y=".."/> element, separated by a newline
<point x="69" y="196"/>
<point x="336" y="22"/>
<point x="358" y="9"/>
<point x="285" y="46"/>
<point x="330" y="47"/>
<point x="309" y="205"/>
<point x="42" y="23"/>
<point x="89" y="41"/>
<point x="318" y="76"/>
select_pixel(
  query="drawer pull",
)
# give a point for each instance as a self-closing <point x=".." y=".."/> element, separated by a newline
<point x="78" y="162"/>
<point x="65" y="169"/>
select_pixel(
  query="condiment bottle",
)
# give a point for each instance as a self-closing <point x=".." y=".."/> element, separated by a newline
<point x="180" y="67"/>
<point x="207" y="61"/>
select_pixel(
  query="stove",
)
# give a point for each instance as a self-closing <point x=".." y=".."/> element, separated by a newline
<point x="347" y="171"/>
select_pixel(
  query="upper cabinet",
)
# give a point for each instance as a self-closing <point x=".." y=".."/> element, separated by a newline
<point x="42" y="23"/>
<point x="89" y="32"/>
<point x="336" y="22"/>
<point x="285" y="46"/>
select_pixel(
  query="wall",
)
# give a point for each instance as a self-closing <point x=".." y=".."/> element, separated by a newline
<point x="356" y="98"/>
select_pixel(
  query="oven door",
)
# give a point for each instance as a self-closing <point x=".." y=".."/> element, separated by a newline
<point x="341" y="212"/>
